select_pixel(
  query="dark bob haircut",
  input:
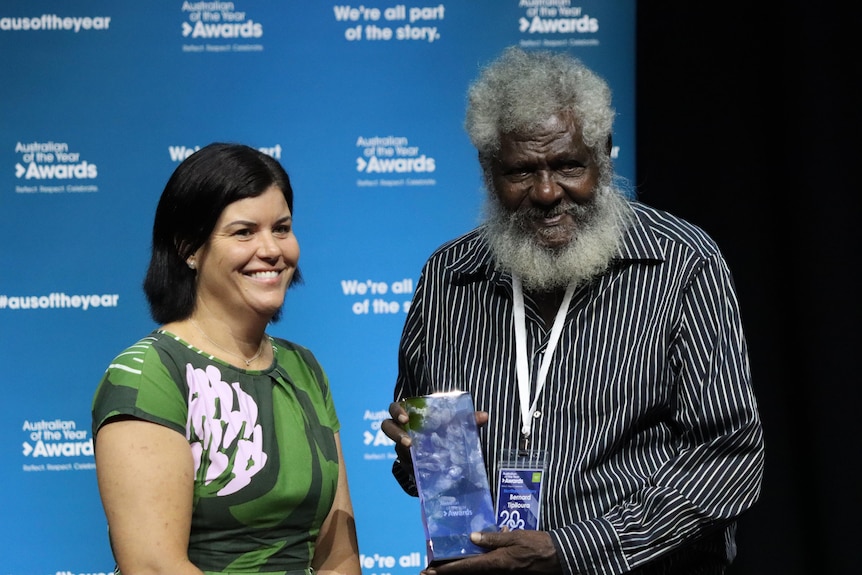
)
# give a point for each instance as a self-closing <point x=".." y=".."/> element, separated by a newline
<point x="196" y="194"/>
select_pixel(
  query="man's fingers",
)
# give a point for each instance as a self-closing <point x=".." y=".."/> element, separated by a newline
<point x="397" y="412"/>
<point x="481" y="418"/>
<point x="395" y="432"/>
<point x="491" y="539"/>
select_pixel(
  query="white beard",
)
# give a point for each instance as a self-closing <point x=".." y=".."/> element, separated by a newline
<point x="599" y="230"/>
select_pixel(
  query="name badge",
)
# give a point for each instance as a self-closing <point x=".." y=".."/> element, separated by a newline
<point x="519" y="489"/>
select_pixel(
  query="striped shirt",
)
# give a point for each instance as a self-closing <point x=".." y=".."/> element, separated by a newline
<point x="648" y="416"/>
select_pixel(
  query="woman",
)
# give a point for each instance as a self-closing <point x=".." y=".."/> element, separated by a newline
<point x="217" y="446"/>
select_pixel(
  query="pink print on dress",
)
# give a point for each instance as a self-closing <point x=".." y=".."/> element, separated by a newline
<point x="223" y="431"/>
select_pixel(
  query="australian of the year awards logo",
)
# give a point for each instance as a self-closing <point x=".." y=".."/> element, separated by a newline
<point x="393" y="161"/>
<point x="209" y="24"/>
<point x="49" y="445"/>
<point x="53" y="167"/>
<point x="550" y="19"/>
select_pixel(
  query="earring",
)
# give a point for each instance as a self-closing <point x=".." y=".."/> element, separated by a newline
<point x="191" y="263"/>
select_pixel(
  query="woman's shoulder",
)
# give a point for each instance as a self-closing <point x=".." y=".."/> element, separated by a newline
<point x="286" y="348"/>
<point x="148" y="351"/>
<point x="134" y="355"/>
<point x="293" y="356"/>
<point x="138" y="382"/>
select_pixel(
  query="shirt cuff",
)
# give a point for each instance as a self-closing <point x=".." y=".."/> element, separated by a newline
<point x="589" y="547"/>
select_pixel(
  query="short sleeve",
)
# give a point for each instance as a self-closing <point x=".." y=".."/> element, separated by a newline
<point x="137" y="383"/>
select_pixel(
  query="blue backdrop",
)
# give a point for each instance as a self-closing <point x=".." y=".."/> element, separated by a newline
<point x="362" y="103"/>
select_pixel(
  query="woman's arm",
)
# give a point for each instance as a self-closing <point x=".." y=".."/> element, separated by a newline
<point x="146" y="475"/>
<point x="337" y="549"/>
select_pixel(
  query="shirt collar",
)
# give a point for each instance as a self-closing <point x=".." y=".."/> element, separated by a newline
<point x="639" y="242"/>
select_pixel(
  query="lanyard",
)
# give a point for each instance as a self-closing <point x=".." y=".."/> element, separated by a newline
<point x="528" y="409"/>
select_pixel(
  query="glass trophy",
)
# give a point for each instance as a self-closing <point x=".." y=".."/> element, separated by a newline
<point x="454" y="495"/>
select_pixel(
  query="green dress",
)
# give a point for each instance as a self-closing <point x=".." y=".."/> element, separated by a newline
<point x="266" y="465"/>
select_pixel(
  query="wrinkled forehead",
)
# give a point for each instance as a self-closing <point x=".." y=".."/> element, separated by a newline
<point x="564" y="120"/>
<point x="556" y="132"/>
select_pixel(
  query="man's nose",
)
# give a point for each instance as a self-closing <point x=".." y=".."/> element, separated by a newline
<point x="545" y="189"/>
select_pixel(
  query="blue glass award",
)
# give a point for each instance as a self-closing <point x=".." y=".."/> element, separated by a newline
<point x="454" y="495"/>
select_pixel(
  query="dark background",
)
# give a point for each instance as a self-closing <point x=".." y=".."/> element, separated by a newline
<point x="747" y="123"/>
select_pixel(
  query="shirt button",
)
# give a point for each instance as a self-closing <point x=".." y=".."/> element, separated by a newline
<point x="537" y="414"/>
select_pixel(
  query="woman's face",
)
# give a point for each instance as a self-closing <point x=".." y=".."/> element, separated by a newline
<point x="246" y="265"/>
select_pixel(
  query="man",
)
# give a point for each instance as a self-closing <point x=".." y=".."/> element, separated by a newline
<point x="595" y="333"/>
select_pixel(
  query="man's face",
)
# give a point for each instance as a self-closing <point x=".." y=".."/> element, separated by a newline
<point x="543" y="177"/>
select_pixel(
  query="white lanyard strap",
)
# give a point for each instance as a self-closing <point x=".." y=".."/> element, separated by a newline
<point x="528" y="408"/>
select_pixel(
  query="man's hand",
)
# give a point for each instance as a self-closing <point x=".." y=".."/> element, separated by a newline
<point x="510" y="552"/>
<point x="394" y="430"/>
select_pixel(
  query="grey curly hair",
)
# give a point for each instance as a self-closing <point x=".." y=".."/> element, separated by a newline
<point x="521" y="89"/>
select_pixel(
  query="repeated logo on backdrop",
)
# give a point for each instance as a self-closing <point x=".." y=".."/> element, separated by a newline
<point x="362" y="101"/>
<point x="53" y="167"/>
<point x="393" y="161"/>
<point x="57" y="445"/>
<point x="557" y="18"/>
<point x="220" y="27"/>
